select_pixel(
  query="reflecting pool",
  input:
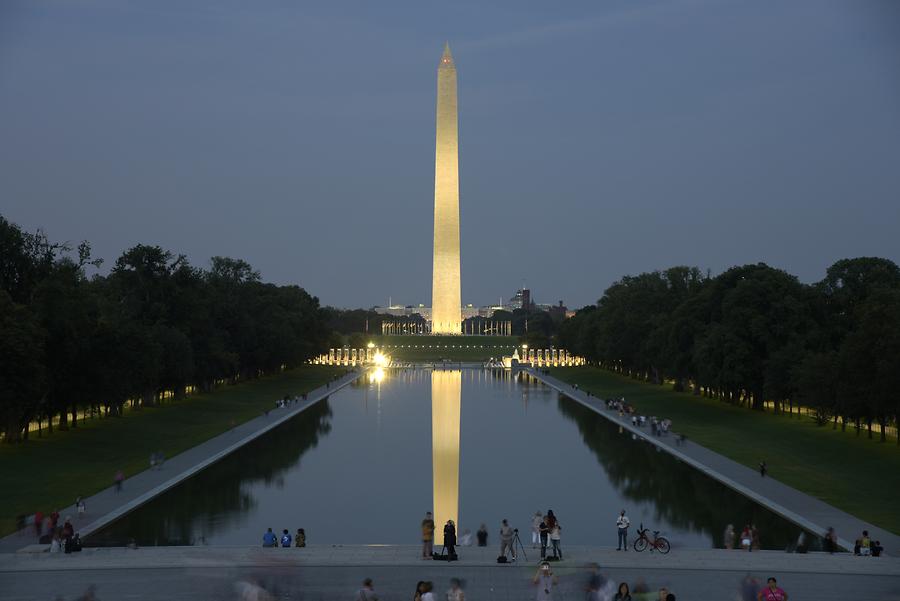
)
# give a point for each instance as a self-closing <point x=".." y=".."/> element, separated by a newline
<point x="476" y="446"/>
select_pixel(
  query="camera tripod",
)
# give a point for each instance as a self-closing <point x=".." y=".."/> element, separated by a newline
<point x="518" y="541"/>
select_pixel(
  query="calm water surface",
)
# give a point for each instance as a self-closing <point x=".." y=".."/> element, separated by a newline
<point x="358" y="468"/>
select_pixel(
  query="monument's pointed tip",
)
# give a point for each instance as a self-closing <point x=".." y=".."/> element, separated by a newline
<point x="447" y="58"/>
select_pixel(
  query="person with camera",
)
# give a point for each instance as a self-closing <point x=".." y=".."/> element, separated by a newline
<point x="544" y="531"/>
<point x="506" y="540"/>
<point x="545" y="581"/>
<point x="555" y="537"/>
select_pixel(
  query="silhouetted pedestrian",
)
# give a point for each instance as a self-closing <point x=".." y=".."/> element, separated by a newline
<point x="830" y="540"/>
<point x="450" y="539"/>
<point x="763" y="469"/>
<point x="506" y="540"/>
<point x="482" y="536"/>
<point x="367" y="592"/>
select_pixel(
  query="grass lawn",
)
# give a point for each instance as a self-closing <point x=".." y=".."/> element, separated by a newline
<point x="48" y="473"/>
<point x="858" y="475"/>
<point x="453" y="348"/>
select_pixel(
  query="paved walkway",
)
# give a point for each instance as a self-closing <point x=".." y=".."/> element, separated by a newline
<point x="109" y="505"/>
<point x="798" y="507"/>
<point x="96" y="558"/>
<point x="334" y="572"/>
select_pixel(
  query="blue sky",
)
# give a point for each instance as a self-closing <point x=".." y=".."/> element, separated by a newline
<point x="597" y="139"/>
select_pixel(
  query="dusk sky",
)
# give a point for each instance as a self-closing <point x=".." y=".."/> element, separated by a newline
<point x="597" y="139"/>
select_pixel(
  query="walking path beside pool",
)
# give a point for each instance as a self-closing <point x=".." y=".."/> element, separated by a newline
<point x="798" y="507"/>
<point x="336" y="571"/>
<point x="108" y="505"/>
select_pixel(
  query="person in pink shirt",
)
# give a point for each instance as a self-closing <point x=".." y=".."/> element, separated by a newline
<point x="772" y="592"/>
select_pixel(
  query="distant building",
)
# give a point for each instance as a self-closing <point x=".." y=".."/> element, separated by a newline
<point x="521" y="299"/>
<point x="559" y="312"/>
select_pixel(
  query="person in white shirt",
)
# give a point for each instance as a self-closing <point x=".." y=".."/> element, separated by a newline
<point x="622" y="524"/>
<point x="536" y="528"/>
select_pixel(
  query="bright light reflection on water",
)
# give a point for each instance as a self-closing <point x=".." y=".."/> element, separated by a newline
<point x="357" y="468"/>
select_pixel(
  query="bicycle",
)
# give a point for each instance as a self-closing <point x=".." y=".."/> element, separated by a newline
<point x="659" y="543"/>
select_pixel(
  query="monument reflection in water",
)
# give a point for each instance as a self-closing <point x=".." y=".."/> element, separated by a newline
<point x="446" y="397"/>
<point x="364" y="465"/>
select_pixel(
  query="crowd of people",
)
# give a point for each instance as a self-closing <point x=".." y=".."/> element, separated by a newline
<point x="545" y="530"/>
<point x="595" y="587"/>
<point x="61" y="538"/>
<point x="747" y="541"/>
<point x="545" y="582"/>
<point x="270" y="539"/>
<point x="658" y="426"/>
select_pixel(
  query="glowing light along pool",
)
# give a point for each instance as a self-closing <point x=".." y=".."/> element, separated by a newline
<point x="364" y="465"/>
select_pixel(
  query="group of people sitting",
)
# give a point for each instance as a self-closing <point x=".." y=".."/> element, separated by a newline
<point x="63" y="538"/>
<point x="866" y="546"/>
<point x="748" y="540"/>
<point x="270" y="539"/>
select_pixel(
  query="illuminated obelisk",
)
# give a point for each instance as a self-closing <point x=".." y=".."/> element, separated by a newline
<point x="446" y="393"/>
<point x="445" y="289"/>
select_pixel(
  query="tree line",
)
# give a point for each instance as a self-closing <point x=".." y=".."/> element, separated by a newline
<point x="755" y="335"/>
<point x="155" y="326"/>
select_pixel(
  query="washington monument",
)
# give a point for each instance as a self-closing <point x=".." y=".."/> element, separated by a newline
<point x="446" y="299"/>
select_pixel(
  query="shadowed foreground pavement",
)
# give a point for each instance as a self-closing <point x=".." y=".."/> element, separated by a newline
<point x="325" y="572"/>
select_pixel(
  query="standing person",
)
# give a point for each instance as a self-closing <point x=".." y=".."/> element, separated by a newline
<point x="420" y="586"/>
<point x="300" y="539"/>
<point x="545" y="581"/>
<point x="748" y="588"/>
<point x="482" y="535"/>
<point x="623" y="594"/>
<point x="120" y="477"/>
<point x="427" y="587"/>
<point x="831" y="540"/>
<point x="754" y="537"/>
<point x="772" y="592"/>
<point x="450" y="539"/>
<point x="555" y="535"/>
<point x="466" y="539"/>
<point x="763" y="468"/>
<point x="68" y="531"/>
<point x="536" y="528"/>
<point x="428" y="536"/>
<point x="286" y="538"/>
<point x="728" y="537"/>
<point x="622" y="523"/>
<point x="455" y="593"/>
<point x="746" y="538"/>
<point x="506" y="540"/>
<point x="545" y="535"/>
<point x="38" y="523"/>
<point x="79" y="505"/>
<point x="367" y="592"/>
